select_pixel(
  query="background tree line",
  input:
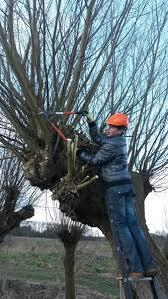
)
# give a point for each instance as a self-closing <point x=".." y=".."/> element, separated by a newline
<point x="45" y="230"/>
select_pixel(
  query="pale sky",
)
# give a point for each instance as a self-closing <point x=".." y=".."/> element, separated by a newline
<point x="156" y="209"/>
<point x="156" y="205"/>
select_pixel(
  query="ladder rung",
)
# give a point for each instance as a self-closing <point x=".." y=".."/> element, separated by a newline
<point x="136" y="279"/>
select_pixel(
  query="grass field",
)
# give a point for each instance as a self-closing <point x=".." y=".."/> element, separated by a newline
<point x="41" y="260"/>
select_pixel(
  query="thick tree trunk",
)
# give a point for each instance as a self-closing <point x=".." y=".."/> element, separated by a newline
<point x="69" y="264"/>
<point x="161" y="261"/>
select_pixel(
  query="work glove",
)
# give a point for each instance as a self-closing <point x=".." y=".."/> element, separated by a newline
<point x="89" y="116"/>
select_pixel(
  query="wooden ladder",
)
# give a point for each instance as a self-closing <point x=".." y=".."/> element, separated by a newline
<point x="153" y="292"/>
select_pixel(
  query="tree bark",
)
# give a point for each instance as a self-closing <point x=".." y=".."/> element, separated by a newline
<point x="69" y="264"/>
<point x="14" y="220"/>
<point x="161" y="262"/>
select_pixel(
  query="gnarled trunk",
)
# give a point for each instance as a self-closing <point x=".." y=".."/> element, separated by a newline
<point x="14" y="220"/>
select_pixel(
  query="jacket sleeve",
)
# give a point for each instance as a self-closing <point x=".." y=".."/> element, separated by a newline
<point x="94" y="134"/>
<point x="106" y="153"/>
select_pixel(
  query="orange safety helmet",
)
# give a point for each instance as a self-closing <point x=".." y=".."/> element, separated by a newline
<point x="118" y="119"/>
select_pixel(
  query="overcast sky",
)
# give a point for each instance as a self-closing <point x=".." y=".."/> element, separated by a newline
<point x="156" y="210"/>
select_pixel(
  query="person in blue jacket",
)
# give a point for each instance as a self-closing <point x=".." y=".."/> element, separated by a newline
<point x="111" y="159"/>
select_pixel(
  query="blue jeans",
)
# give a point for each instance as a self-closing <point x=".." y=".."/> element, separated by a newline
<point x="121" y="212"/>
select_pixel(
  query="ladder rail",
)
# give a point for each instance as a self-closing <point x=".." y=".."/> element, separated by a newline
<point x="152" y="284"/>
<point x="153" y="288"/>
<point x="122" y="263"/>
<point x="127" y="282"/>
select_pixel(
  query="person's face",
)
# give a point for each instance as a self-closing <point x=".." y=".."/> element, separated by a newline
<point x="113" y="131"/>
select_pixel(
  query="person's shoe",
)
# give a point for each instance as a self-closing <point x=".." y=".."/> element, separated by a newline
<point x="135" y="275"/>
<point x="151" y="272"/>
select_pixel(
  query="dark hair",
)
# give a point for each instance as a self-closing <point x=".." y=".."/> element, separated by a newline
<point x="123" y="128"/>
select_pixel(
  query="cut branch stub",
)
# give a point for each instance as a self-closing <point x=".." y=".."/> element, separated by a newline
<point x="86" y="182"/>
<point x="43" y="169"/>
<point x="65" y="192"/>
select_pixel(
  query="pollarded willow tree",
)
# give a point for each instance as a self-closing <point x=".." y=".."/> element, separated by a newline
<point x="17" y="197"/>
<point x="69" y="232"/>
<point x="74" y="55"/>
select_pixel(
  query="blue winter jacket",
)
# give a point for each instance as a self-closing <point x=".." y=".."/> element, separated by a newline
<point x="111" y="158"/>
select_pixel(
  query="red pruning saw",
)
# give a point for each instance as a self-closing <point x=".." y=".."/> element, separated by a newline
<point x="56" y="129"/>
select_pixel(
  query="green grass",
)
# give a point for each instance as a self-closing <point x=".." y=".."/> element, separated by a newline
<point x="99" y="283"/>
<point x="40" y="262"/>
<point x="99" y="266"/>
<point x="32" y="266"/>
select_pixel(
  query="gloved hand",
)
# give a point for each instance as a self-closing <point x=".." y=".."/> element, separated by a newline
<point x="89" y="116"/>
